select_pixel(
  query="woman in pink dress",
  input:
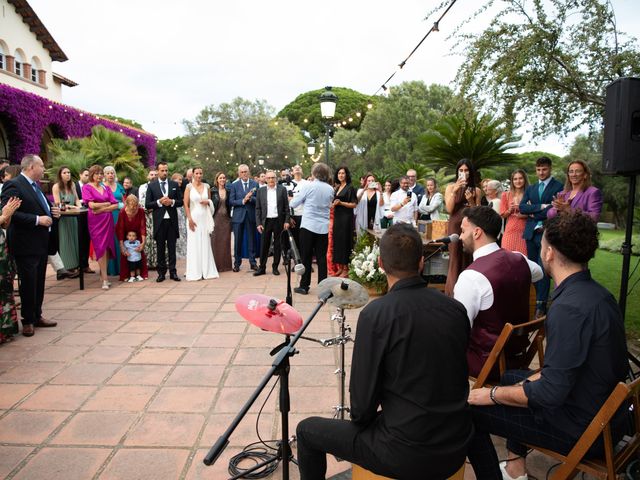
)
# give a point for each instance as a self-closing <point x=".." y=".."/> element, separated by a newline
<point x="101" y="203"/>
<point x="510" y="211"/>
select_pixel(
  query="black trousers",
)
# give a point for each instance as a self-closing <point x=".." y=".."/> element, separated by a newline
<point x="83" y="240"/>
<point x="166" y="238"/>
<point x="313" y="244"/>
<point x="272" y="226"/>
<point x="295" y="229"/>
<point x="361" y="445"/>
<point x="239" y="231"/>
<point x="517" y="425"/>
<point x="544" y="284"/>
<point x="32" y="270"/>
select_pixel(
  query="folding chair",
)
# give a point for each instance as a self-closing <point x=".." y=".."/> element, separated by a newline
<point x="515" y="348"/>
<point x="616" y="457"/>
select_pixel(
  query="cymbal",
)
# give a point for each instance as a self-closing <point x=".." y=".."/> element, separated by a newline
<point x="346" y="293"/>
<point x="269" y="313"/>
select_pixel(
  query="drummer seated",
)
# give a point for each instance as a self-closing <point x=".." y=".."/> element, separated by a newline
<point x="409" y="417"/>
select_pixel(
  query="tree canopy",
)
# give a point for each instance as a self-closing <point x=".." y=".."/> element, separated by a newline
<point x="243" y="131"/>
<point x="390" y="131"/>
<point x="546" y="62"/>
<point x="304" y="111"/>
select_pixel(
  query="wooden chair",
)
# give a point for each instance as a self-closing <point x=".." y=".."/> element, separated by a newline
<point x="515" y="348"/>
<point x="359" y="473"/>
<point x="616" y="456"/>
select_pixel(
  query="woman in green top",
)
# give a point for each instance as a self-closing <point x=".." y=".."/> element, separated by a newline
<point x="64" y="192"/>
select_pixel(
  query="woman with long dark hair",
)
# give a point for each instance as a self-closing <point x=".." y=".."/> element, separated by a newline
<point x="64" y="192"/>
<point x="459" y="195"/>
<point x="221" y="236"/>
<point x="345" y="200"/>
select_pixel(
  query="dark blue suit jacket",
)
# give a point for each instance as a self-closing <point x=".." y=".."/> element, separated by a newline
<point x="240" y="210"/>
<point x="531" y="205"/>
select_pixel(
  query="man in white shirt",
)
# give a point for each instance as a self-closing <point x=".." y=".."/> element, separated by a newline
<point x="272" y="216"/>
<point x="404" y="203"/>
<point x="495" y="288"/>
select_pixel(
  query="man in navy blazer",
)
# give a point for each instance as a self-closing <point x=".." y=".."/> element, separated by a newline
<point x="28" y="238"/>
<point x="535" y="203"/>
<point x="242" y="197"/>
<point x="164" y="197"/>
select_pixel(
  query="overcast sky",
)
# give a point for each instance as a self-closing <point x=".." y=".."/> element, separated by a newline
<point x="159" y="61"/>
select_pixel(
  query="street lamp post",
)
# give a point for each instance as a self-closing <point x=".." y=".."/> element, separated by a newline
<point x="328" y="101"/>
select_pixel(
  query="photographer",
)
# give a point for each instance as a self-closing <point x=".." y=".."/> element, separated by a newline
<point x="404" y="203"/>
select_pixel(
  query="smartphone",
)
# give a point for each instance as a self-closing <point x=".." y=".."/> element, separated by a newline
<point x="372" y="185"/>
<point x="462" y="175"/>
<point x="408" y="194"/>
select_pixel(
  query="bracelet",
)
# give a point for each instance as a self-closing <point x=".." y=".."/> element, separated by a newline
<point x="492" y="395"/>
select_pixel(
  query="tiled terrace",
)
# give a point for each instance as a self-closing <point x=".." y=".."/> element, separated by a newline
<point x="137" y="382"/>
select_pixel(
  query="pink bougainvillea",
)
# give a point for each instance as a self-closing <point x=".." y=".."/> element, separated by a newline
<point x="25" y="116"/>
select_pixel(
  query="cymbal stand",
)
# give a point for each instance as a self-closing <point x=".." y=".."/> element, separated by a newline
<point x="342" y="339"/>
<point x="279" y="367"/>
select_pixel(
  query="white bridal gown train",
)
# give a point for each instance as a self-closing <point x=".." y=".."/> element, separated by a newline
<point x="200" y="262"/>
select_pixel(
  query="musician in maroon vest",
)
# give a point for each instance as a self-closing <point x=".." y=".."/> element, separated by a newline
<point x="495" y="287"/>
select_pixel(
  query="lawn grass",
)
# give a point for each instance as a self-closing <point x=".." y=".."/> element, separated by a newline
<point x="606" y="268"/>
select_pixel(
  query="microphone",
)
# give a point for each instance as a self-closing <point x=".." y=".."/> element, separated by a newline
<point x="453" y="238"/>
<point x="299" y="267"/>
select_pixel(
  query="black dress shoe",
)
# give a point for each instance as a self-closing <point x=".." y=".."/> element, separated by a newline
<point x="28" y="330"/>
<point x="160" y="278"/>
<point x="236" y="269"/>
<point x="276" y="271"/>
<point x="62" y="274"/>
<point x="258" y="272"/>
<point x="301" y="290"/>
<point x="174" y="277"/>
<point x="254" y="267"/>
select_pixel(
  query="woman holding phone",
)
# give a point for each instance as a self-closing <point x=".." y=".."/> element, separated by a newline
<point x="457" y="196"/>
<point x="369" y="210"/>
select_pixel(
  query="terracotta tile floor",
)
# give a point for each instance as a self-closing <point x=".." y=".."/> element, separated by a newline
<point x="137" y="382"/>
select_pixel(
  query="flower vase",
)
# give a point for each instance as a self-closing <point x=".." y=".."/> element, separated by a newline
<point x="374" y="292"/>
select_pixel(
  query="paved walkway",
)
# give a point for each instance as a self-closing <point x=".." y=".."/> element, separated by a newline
<point x="137" y="382"/>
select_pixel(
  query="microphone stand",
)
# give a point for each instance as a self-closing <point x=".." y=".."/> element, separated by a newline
<point x="287" y="269"/>
<point x="280" y="368"/>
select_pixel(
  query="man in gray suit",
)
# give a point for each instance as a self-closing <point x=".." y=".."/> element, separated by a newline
<point x="272" y="216"/>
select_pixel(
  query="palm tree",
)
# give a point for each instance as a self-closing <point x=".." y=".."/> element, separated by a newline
<point x="481" y="139"/>
<point x="106" y="147"/>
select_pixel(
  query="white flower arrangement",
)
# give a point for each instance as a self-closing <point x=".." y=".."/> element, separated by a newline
<point x="364" y="269"/>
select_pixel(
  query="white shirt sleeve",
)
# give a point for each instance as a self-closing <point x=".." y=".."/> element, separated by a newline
<point x="536" y="270"/>
<point x="474" y="291"/>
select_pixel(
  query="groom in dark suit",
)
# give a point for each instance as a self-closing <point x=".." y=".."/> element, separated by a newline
<point x="242" y="197"/>
<point x="164" y="196"/>
<point x="28" y="239"/>
<point x="272" y="215"/>
<point x="535" y="203"/>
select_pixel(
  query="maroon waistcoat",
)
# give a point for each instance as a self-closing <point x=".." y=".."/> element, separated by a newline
<point x="510" y="278"/>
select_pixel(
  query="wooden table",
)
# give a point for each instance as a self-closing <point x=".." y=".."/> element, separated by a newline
<point x="77" y="213"/>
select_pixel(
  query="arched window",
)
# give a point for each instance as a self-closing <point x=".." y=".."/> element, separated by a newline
<point x="18" y="69"/>
<point x="34" y="70"/>
<point x="3" y="62"/>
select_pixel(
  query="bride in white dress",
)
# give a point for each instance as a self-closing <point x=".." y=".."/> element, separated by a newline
<point x="198" y="209"/>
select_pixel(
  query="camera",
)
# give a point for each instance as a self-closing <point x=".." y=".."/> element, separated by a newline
<point x="286" y="181"/>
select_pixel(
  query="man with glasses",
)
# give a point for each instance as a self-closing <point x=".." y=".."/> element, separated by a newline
<point x="243" y="200"/>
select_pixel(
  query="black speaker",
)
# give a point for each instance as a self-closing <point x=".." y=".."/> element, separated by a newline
<point x="621" y="153"/>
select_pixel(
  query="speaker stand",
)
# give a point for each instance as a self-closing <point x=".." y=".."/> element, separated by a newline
<point x="626" y="245"/>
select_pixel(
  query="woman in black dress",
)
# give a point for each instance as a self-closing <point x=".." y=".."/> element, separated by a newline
<point x="344" y="202"/>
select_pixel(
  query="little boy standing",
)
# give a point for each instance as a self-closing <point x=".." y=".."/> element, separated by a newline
<point x="134" y="257"/>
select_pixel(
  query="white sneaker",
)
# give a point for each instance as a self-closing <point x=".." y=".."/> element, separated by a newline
<point x="506" y="476"/>
<point x="139" y="278"/>
<point x="105" y="285"/>
<point x="131" y="279"/>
